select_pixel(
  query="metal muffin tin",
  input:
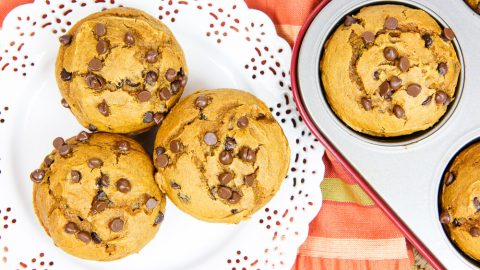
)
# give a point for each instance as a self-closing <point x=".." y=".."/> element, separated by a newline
<point x="402" y="175"/>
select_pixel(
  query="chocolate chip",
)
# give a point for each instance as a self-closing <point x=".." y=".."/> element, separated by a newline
<point x="349" y="20"/>
<point x="151" y="77"/>
<point x="64" y="103"/>
<point x="71" y="228"/>
<point x="144" y="96"/>
<point x="249" y="179"/>
<point x="224" y="193"/>
<point x="37" y="175"/>
<point x="201" y="102"/>
<point x="123" y="146"/>
<point x="75" y="176"/>
<point x="398" y="111"/>
<point x="165" y="94"/>
<point x="183" y="80"/>
<point x="427" y="101"/>
<point x="82" y="136"/>
<point x="242" y="122"/>
<point x="129" y="39"/>
<point x="132" y="84"/>
<point x="368" y="37"/>
<point x="92" y="128"/>
<point x="456" y="223"/>
<point x="116" y="224"/>
<point x="58" y="142"/>
<point x="391" y="23"/>
<point x="414" y="89"/>
<point x="94" y="81"/>
<point x="65" y="75"/>
<point x="102" y="46"/>
<point x="444" y="217"/>
<point x="478" y="8"/>
<point x="225" y="178"/>
<point x="151" y="203"/>
<point x="235" y="197"/>
<point x="148" y="117"/>
<point x="99" y="206"/>
<point x="175" y="146"/>
<point x="448" y="34"/>
<point x="95" y="64"/>
<point x="175" y="86"/>
<point x="226" y="158"/>
<point x="474" y="231"/>
<point x="441" y="97"/>
<point x="234" y="211"/>
<point x="247" y="154"/>
<point x="64" y="150"/>
<point x="366" y="103"/>
<point x="184" y="197"/>
<point x="442" y="68"/>
<point x="158" y="117"/>
<point x="151" y="56"/>
<point x="159" y="150"/>
<point x="476" y="203"/>
<point x="376" y="75"/>
<point x="161" y="161"/>
<point x="84" y="237"/>
<point x="103" y="181"/>
<point x="171" y="75"/>
<point x="230" y="144"/>
<point x="95" y="163"/>
<point x="175" y="185"/>
<point x="96" y="239"/>
<point x="385" y="89"/>
<point x="158" y="219"/>
<point x="123" y="185"/>
<point x="210" y="138"/>
<point x="395" y="83"/>
<point x="404" y="64"/>
<point x="103" y="108"/>
<point x="65" y="39"/>
<point x="450" y="178"/>
<point x="390" y="53"/>
<point x="48" y="161"/>
<point x="428" y="40"/>
<point x="100" y="29"/>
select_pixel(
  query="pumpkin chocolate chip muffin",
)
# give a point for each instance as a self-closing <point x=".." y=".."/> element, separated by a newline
<point x="390" y="70"/>
<point x="460" y="201"/>
<point x="96" y="197"/>
<point x="120" y="71"/>
<point x="221" y="155"/>
<point x="474" y="4"/>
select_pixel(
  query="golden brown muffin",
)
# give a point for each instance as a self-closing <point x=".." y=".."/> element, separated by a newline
<point x="460" y="201"/>
<point x="221" y="155"/>
<point x="96" y="197"/>
<point x="474" y="4"/>
<point x="390" y="70"/>
<point x="120" y="71"/>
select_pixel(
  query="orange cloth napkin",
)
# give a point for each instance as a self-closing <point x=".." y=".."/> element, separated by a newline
<point x="350" y="232"/>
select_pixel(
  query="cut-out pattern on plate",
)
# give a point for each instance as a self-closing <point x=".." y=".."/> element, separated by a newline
<point x="269" y="240"/>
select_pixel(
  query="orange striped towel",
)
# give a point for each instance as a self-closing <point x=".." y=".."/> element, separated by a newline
<point x="350" y="232"/>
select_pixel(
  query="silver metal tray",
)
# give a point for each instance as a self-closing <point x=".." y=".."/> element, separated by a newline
<point x="405" y="172"/>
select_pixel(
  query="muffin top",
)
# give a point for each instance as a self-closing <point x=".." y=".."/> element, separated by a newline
<point x="474" y="4"/>
<point x="460" y="201"/>
<point x="390" y="70"/>
<point x="120" y="71"/>
<point x="95" y="195"/>
<point x="221" y="155"/>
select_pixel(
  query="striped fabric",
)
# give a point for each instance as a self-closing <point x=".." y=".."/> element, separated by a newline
<point x="350" y="232"/>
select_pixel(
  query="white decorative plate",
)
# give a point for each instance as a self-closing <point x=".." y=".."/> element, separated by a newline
<point x="226" y="45"/>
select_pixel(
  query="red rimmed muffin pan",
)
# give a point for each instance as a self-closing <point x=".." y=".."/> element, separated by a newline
<point x="402" y="175"/>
